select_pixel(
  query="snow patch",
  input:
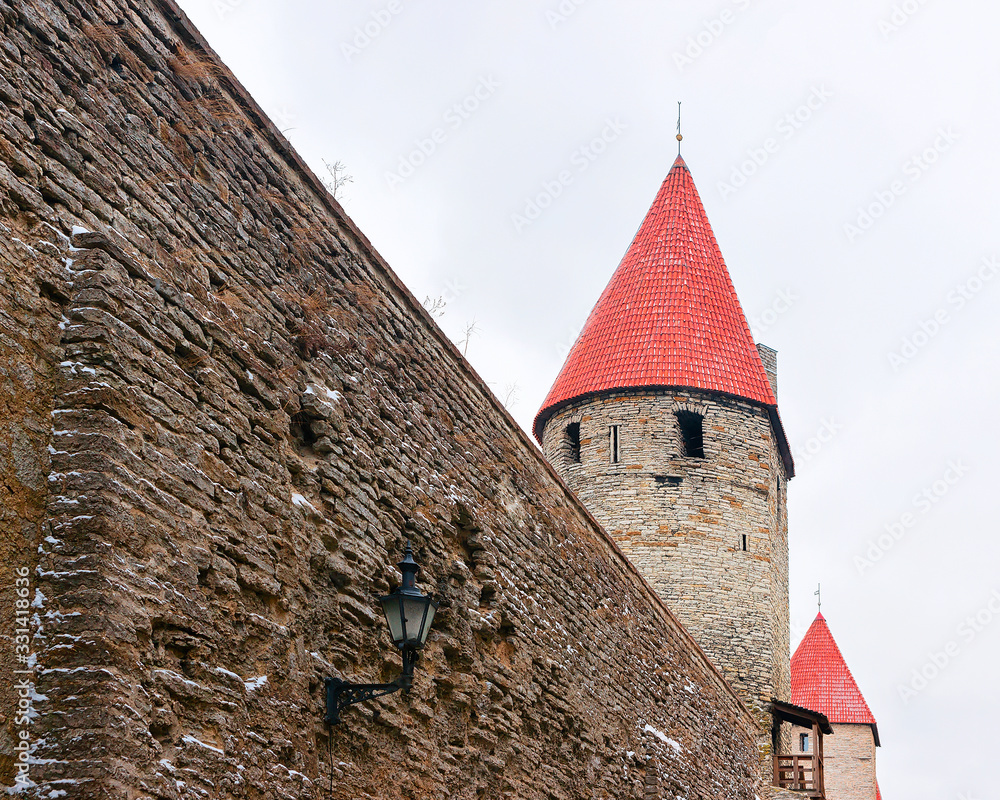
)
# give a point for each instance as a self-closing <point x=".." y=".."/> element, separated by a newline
<point x="72" y="366"/>
<point x="170" y="673"/>
<point x="330" y="394"/>
<point x="53" y="228"/>
<point x="188" y="739"/>
<point x="663" y="738"/>
<point x="253" y="684"/>
<point x="228" y="673"/>
<point x="301" y="502"/>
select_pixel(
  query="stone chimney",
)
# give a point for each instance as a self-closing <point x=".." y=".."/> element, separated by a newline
<point x="770" y="359"/>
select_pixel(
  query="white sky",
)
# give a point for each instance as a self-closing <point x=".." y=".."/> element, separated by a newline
<point x="553" y="76"/>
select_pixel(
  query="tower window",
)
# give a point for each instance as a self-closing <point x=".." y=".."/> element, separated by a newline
<point x="744" y="543"/>
<point x="804" y="742"/>
<point x="692" y="433"/>
<point x="613" y="437"/>
<point x="573" y="441"/>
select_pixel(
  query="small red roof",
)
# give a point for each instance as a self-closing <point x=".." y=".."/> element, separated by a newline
<point x="669" y="316"/>
<point x="822" y="681"/>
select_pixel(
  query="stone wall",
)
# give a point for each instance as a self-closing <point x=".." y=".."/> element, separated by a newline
<point x="29" y="358"/>
<point x="223" y="415"/>
<point x="684" y="521"/>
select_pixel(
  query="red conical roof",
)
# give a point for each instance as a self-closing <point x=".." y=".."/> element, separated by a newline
<point x="669" y="316"/>
<point x="821" y="680"/>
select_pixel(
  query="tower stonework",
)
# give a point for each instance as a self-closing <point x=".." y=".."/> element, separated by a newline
<point x="664" y="422"/>
<point x="682" y="520"/>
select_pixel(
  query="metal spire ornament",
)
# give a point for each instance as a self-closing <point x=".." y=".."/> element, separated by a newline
<point x="679" y="137"/>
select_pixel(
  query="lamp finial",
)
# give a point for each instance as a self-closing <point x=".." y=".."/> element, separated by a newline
<point x="409" y="568"/>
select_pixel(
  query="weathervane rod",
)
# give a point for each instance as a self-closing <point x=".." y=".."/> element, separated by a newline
<point x="819" y="597"/>
<point x="679" y="137"/>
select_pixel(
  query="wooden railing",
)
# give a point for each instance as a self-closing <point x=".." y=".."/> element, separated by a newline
<point x="801" y="773"/>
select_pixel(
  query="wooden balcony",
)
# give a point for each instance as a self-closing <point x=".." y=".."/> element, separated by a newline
<point x="800" y="773"/>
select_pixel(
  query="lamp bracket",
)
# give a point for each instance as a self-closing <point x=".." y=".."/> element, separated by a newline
<point x="341" y="694"/>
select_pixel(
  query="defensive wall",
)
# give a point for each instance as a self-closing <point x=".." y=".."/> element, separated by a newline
<point x="222" y="416"/>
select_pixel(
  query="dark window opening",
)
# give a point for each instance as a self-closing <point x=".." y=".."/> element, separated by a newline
<point x="744" y="542"/>
<point x="613" y="434"/>
<point x="804" y="742"/>
<point x="573" y="440"/>
<point x="301" y="430"/>
<point x="692" y="433"/>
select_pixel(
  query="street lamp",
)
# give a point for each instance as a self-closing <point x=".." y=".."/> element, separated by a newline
<point x="409" y="613"/>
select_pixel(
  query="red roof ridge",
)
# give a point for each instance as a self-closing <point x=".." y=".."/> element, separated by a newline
<point x="822" y="681"/>
<point x="669" y="316"/>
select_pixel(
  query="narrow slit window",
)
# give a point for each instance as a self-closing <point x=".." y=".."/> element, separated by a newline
<point x="573" y="441"/>
<point x="744" y="542"/>
<point x="613" y="435"/>
<point x="692" y="433"/>
<point x="804" y="742"/>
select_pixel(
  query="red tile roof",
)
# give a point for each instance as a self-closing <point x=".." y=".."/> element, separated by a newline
<point x="669" y="316"/>
<point x="822" y="681"/>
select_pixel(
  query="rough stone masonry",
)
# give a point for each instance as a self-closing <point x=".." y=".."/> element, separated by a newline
<point x="222" y="416"/>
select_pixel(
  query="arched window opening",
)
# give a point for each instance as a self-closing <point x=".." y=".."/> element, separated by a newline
<point x="573" y="441"/>
<point x="692" y="433"/>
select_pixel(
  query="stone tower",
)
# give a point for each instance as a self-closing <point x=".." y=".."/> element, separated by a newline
<point x="664" y="422"/>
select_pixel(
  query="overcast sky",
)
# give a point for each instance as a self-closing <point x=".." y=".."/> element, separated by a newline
<point x="504" y="154"/>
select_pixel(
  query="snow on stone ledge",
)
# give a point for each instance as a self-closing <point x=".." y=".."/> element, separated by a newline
<point x="188" y="739"/>
<point x="301" y="502"/>
<point x="663" y="738"/>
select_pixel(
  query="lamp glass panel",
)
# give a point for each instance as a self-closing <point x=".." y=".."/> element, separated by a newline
<point x="414" y="610"/>
<point x="431" y="608"/>
<point x="392" y="607"/>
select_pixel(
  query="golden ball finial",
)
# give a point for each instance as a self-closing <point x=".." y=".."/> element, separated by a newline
<point x="679" y="138"/>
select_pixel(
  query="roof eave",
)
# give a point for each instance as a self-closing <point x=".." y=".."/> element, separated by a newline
<point x="782" y="441"/>
<point x="800" y="715"/>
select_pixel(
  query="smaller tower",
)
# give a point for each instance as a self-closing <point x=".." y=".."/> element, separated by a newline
<point x="821" y="681"/>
